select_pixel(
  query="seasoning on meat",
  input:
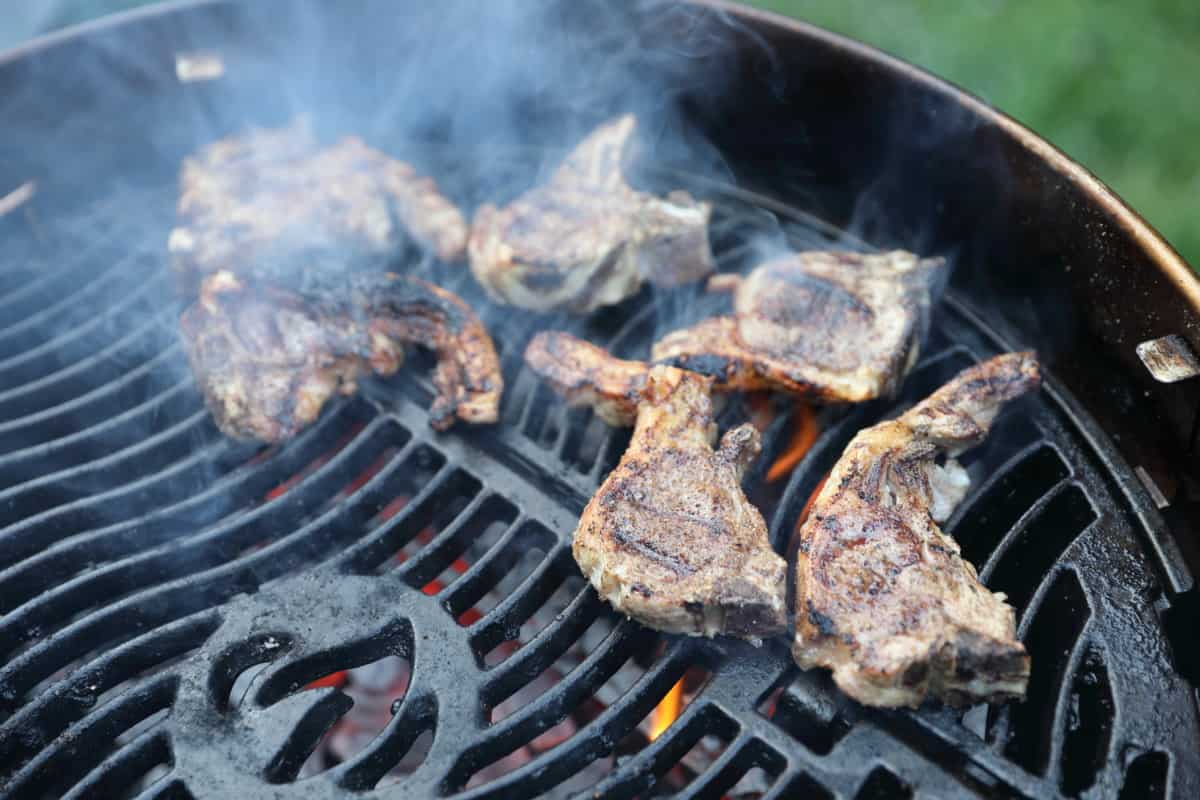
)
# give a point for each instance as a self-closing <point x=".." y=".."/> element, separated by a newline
<point x="587" y="375"/>
<point x="830" y="326"/>
<point x="267" y="203"/>
<point x="586" y="238"/>
<point x="267" y="359"/>
<point x="883" y="597"/>
<point x="669" y="538"/>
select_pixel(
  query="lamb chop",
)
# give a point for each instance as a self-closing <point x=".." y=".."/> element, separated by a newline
<point x="260" y="204"/>
<point x="830" y="326"/>
<point x="883" y="597"/>
<point x="586" y="238"/>
<point x="669" y="538"/>
<point x="267" y="359"/>
<point x="587" y="375"/>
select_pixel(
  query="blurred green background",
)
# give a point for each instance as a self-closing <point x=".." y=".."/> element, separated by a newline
<point x="1114" y="84"/>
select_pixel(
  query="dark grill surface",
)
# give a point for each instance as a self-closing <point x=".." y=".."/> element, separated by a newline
<point x="168" y="595"/>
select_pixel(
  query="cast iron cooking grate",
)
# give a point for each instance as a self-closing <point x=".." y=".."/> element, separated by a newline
<point x="177" y="608"/>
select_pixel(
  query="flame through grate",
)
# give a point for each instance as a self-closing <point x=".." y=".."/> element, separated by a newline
<point x="374" y="605"/>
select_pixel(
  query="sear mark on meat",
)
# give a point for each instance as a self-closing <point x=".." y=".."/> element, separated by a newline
<point x="670" y="538"/>
<point x="586" y="238"/>
<point x="262" y="203"/>
<point x="587" y="375"/>
<point x="831" y="326"/>
<point x="883" y="597"/>
<point x="268" y="359"/>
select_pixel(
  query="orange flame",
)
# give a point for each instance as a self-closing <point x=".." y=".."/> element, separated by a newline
<point x="667" y="710"/>
<point x="804" y="434"/>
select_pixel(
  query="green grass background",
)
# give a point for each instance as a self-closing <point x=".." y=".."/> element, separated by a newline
<point x="1115" y="84"/>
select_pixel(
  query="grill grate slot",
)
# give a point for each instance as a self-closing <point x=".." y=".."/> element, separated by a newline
<point x="582" y="620"/>
<point x="627" y="700"/>
<point x="479" y="528"/>
<point x="1089" y="725"/>
<point x="398" y="751"/>
<point x="979" y="525"/>
<point x="801" y="785"/>
<point x="1050" y="638"/>
<point x="1037" y="542"/>
<point x="719" y="749"/>
<point x="806" y="707"/>
<point x="515" y="563"/>
<point x="882" y="784"/>
<point x="1146" y="777"/>
<point x="166" y="789"/>
<point x="571" y="587"/>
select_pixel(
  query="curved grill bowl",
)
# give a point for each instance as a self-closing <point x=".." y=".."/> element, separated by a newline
<point x="169" y="597"/>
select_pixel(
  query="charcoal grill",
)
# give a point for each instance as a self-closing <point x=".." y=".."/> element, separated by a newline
<point x="172" y="601"/>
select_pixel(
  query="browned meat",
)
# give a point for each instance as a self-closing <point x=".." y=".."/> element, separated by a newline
<point x="271" y="201"/>
<point x="831" y="326"/>
<point x="586" y="375"/>
<point x="670" y="539"/>
<point x="267" y="359"/>
<point x="883" y="597"/>
<point x="586" y="238"/>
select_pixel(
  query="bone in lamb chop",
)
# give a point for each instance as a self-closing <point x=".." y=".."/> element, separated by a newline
<point x="586" y="238"/>
<point x="587" y="375"/>
<point x="669" y="538"/>
<point x="830" y="326"/>
<point x="267" y="359"/>
<point x="258" y="204"/>
<point x="883" y="597"/>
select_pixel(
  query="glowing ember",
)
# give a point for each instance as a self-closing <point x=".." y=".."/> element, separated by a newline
<point x="314" y="465"/>
<point x="804" y="435"/>
<point x="667" y="710"/>
<point x="335" y="680"/>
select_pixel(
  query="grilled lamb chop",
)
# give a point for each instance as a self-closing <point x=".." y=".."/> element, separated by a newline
<point x="831" y="326"/>
<point x="267" y="359"/>
<point x="259" y="204"/>
<point x="883" y="597"/>
<point x="586" y="375"/>
<point x="586" y="238"/>
<point x="669" y="538"/>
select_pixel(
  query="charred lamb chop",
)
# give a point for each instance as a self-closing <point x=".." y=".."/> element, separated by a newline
<point x="260" y="204"/>
<point x="267" y="359"/>
<point x="883" y="597"/>
<point x="831" y="326"/>
<point x="586" y="238"/>
<point x="669" y="538"/>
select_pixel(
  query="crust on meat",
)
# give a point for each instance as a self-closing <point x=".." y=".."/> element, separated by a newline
<point x="829" y="326"/>
<point x="883" y="597"/>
